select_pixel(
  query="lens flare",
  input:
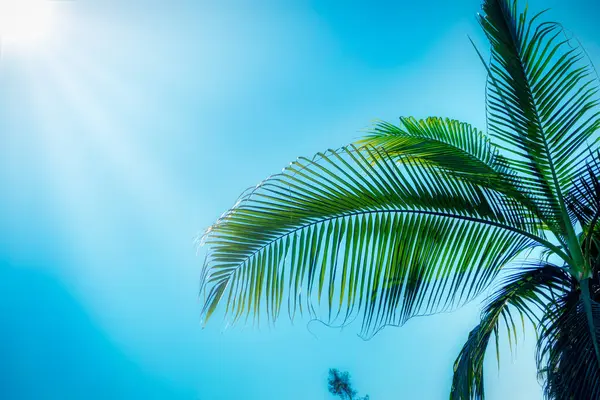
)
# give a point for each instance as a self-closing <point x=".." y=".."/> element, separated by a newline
<point x="25" y="22"/>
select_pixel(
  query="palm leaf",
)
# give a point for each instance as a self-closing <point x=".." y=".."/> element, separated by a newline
<point x="356" y="234"/>
<point x="524" y="293"/>
<point x="451" y="144"/>
<point x="457" y="148"/>
<point x="583" y="197"/>
<point x="566" y="355"/>
<point x="541" y="104"/>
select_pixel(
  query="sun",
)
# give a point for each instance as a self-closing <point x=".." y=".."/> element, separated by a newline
<point x="25" y="22"/>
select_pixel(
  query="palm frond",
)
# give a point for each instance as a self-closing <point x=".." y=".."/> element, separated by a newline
<point x="353" y="228"/>
<point x="583" y="197"/>
<point x="457" y="148"/>
<point x="541" y="101"/>
<point x="450" y="144"/>
<point x="566" y="355"/>
<point x="524" y="293"/>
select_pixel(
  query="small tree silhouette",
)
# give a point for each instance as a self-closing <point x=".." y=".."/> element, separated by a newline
<point x="339" y="385"/>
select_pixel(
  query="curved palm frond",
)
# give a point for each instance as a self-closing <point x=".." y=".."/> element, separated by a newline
<point x="456" y="147"/>
<point x="451" y="144"/>
<point x="354" y="227"/>
<point x="566" y="355"/>
<point x="541" y="104"/>
<point x="526" y="292"/>
<point x="583" y="198"/>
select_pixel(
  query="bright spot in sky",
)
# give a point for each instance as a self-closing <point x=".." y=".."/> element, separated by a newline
<point x="25" y="22"/>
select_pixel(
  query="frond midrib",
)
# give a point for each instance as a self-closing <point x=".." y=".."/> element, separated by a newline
<point x="491" y="165"/>
<point x="576" y="259"/>
<point x="541" y="241"/>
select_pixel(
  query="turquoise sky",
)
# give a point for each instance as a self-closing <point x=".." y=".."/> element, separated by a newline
<point x="137" y="123"/>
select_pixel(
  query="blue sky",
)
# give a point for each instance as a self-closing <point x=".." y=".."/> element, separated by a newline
<point x="137" y="123"/>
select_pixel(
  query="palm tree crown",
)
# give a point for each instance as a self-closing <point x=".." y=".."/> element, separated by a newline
<point x="421" y="217"/>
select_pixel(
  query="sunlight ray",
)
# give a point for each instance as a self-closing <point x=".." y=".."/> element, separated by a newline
<point x="107" y="134"/>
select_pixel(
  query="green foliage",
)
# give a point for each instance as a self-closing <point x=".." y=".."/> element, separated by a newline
<point x="568" y="362"/>
<point x="379" y="230"/>
<point x="339" y="385"/>
<point x="421" y="217"/>
<point x="522" y="295"/>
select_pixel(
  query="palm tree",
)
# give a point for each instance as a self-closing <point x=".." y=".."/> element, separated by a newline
<point x="421" y="217"/>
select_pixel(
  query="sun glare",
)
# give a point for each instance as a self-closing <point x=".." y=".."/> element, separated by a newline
<point x="25" y="22"/>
